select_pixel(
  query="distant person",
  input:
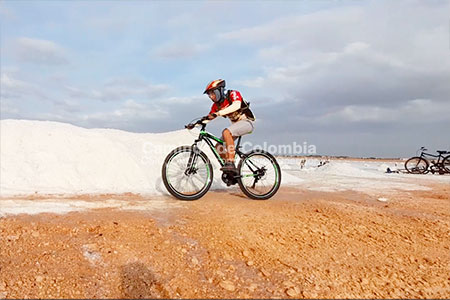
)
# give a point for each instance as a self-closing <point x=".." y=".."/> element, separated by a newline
<point x="302" y="163"/>
<point x="229" y="104"/>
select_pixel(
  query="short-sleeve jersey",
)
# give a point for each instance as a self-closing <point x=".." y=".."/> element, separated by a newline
<point x="232" y="97"/>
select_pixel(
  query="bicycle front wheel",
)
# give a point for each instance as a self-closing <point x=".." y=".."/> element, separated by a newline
<point x="416" y="165"/>
<point x="260" y="175"/>
<point x="187" y="173"/>
<point x="446" y="164"/>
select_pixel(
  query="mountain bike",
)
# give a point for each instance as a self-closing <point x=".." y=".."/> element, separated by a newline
<point x="188" y="174"/>
<point x="421" y="165"/>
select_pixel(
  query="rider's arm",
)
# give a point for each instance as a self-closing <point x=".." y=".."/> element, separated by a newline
<point x="230" y="109"/>
<point x="213" y="112"/>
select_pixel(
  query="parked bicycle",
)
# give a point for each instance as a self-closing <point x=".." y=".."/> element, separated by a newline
<point x="422" y="165"/>
<point x="188" y="174"/>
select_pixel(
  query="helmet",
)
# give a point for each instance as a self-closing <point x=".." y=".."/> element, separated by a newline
<point x="218" y="86"/>
<point x="219" y="83"/>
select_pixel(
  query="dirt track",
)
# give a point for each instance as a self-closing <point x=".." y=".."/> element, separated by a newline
<point x="301" y="244"/>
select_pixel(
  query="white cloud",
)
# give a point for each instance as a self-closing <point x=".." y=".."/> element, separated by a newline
<point x="12" y="88"/>
<point x="179" y="50"/>
<point x="257" y="82"/>
<point x="125" y="116"/>
<point x="119" y="89"/>
<point x="310" y="29"/>
<point x="295" y="75"/>
<point x="356" y="47"/>
<point x="417" y="36"/>
<point x="412" y="112"/>
<point x="349" y="68"/>
<point x="40" y="51"/>
<point x="8" y="108"/>
<point x="68" y="106"/>
<point x="355" y="114"/>
<point x="183" y="100"/>
<point x="11" y="83"/>
<point x="130" y="110"/>
<point x="365" y="62"/>
<point x="109" y="24"/>
<point x="75" y="92"/>
<point x="133" y="105"/>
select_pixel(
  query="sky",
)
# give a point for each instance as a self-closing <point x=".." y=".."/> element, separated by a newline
<point x="355" y="78"/>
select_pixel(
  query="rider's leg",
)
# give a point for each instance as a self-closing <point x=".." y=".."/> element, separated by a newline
<point x="229" y="141"/>
<point x="222" y="150"/>
<point x="235" y="130"/>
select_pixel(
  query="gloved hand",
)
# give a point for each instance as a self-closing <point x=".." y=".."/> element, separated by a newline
<point x="190" y="126"/>
<point x="211" y="116"/>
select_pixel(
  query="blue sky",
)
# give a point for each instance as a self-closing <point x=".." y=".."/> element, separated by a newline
<point x="362" y="78"/>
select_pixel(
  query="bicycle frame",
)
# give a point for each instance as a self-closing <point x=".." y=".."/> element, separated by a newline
<point x="439" y="157"/>
<point x="209" y="138"/>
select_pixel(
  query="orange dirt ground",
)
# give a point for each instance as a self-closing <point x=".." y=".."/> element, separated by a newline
<point x="299" y="244"/>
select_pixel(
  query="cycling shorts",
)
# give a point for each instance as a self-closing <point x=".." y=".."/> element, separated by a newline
<point x="241" y="128"/>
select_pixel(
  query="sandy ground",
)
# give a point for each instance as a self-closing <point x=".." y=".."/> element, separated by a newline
<point x="299" y="244"/>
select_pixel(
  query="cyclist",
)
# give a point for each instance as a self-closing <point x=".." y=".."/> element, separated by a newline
<point x="229" y="104"/>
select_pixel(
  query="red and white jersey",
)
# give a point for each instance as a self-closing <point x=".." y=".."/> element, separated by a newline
<point x="234" y="115"/>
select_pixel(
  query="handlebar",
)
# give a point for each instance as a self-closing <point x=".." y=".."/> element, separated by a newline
<point x="423" y="149"/>
<point x="198" y="122"/>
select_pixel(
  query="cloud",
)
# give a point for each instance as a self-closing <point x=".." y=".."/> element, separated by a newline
<point x="356" y="75"/>
<point x="68" y="106"/>
<point x="40" y="51"/>
<point x="341" y="63"/>
<point x="109" y="24"/>
<point x="423" y="110"/>
<point x="13" y="89"/>
<point x="119" y="89"/>
<point x="193" y="100"/>
<point x="131" y="115"/>
<point x="7" y="108"/>
<point x="257" y="82"/>
<point x="347" y="73"/>
<point x="129" y="110"/>
<point x="22" y="99"/>
<point x="179" y="50"/>
<point x="310" y="30"/>
<point x="11" y="83"/>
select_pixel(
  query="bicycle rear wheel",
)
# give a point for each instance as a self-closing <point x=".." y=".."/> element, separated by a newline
<point x="260" y="175"/>
<point x="187" y="173"/>
<point x="416" y="165"/>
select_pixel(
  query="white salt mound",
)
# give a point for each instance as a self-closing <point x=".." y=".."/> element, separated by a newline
<point x="51" y="157"/>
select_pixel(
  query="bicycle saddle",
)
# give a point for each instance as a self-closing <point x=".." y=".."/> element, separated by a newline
<point x="442" y="151"/>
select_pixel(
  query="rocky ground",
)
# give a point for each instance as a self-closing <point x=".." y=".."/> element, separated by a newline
<point x="300" y="244"/>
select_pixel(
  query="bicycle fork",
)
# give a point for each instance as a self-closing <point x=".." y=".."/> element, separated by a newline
<point x="190" y="168"/>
